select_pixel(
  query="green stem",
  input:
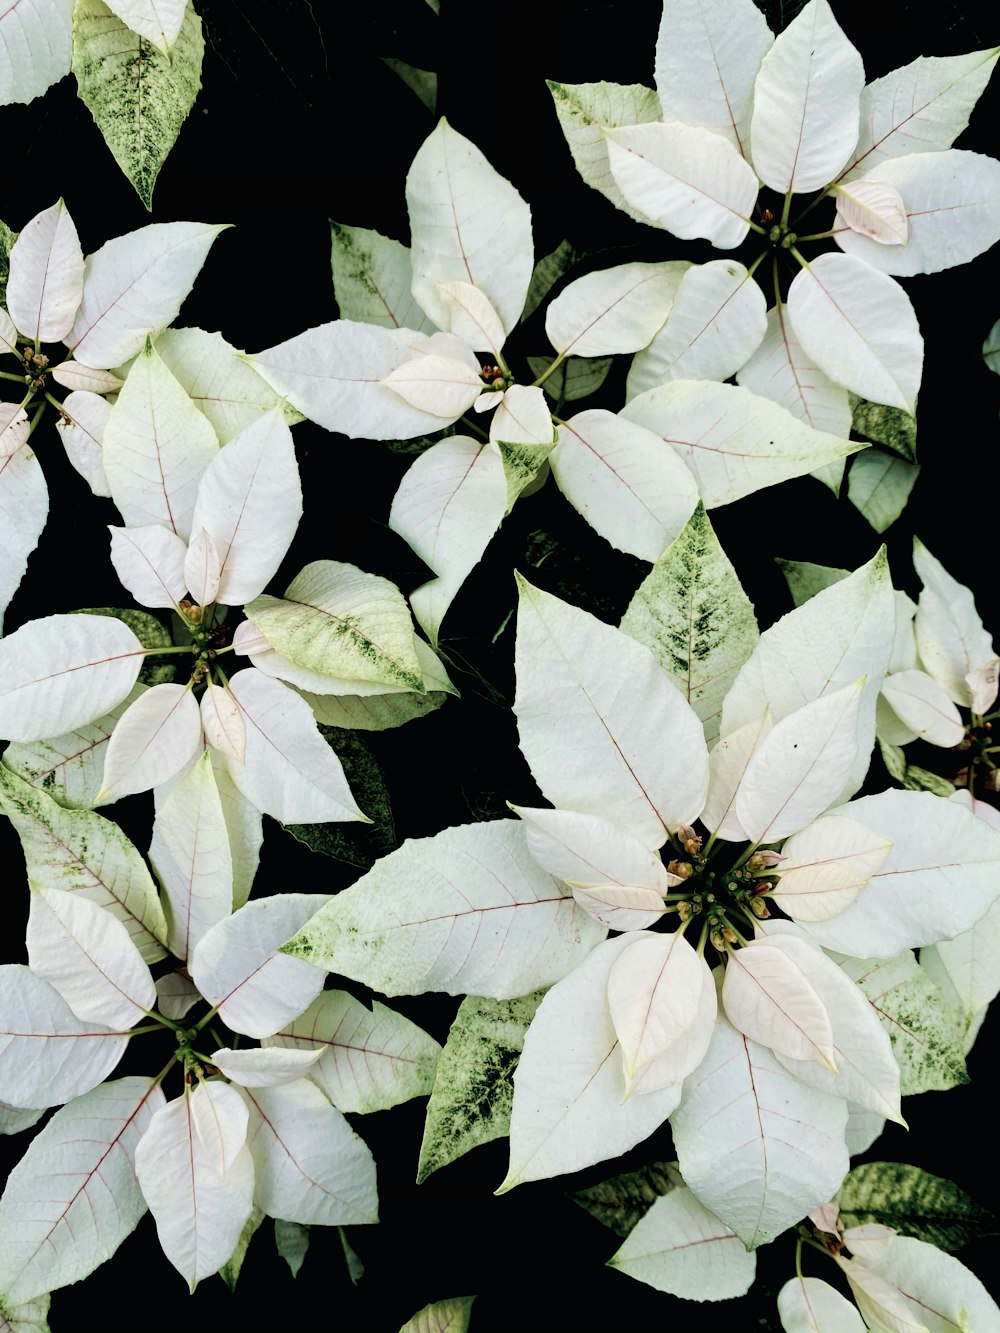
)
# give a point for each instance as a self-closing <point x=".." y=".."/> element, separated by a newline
<point x="163" y="1021"/>
<point x="471" y="425"/>
<point x="776" y="278"/>
<point x="707" y="849"/>
<point x="9" y="375"/>
<point x="550" y="370"/>
<point x="151" y="1027"/>
<point x="746" y="856"/>
<point x="164" y="652"/>
<point x="502" y="364"/>
<point x="815" y="203"/>
<point x="792" y="251"/>
<point x="817" y="235"/>
<point x="204" y="1022"/>
<point x="798" y="1259"/>
<point x="164" y="1071"/>
<point x="55" y="402"/>
<point x="39" y="413"/>
<point x="756" y="263"/>
<point x="754" y="226"/>
<point x="786" y="208"/>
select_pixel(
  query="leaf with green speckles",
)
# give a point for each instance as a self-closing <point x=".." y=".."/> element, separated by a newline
<point x="371" y="280"/>
<point x="138" y="96"/>
<point x="914" y="1203"/>
<point x="918" y="1018"/>
<point x="991" y="347"/>
<point x="522" y="465"/>
<point x="585" y="110"/>
<point x="576" y="377"/>
<point x="879" y="486"/>
<point x="362" y="844"/>
<point x="292" y="1242"/>
<point x="372" y="712"/>
<point x="894" y="760"/>
<point x="230" y="1271"/>
<point x="422" y="82"/>
<point x="32" y="1317"/>
<point x="7" y="239"/>
<point x="891" y="427"/>
<point x="910" y="776"/>
<point x="621" y="1201"/>
<point x="547" y="272"/>
<point x="150" y="633"/>
<point x="805" y="580"/>
<point x="450" y="1316"/>
<point x="474" y="1087"/>
<point x="694" y="616"/>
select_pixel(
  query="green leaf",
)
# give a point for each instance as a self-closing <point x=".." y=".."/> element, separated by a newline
<point x="922" y="779"/>
<point x="372" y="276"/>
<point x="879" y="486"/>
<point x="547" y="272"/>
<point x="991" y="348"/>
<point x="230" y="1271"/>
<point x="139" y="97"/>
<point x="292" y="1241"/>
<point x="576" y="377"/>
<point x="805" y="580"/>
<point x="355" y="1268"/>
<point x="693" y="615"/>
<point x="522" y="465"/>
<point x="423" y="82"/>
<point x="451" y="1316"/>
<point x="372" y="712"/>
<point x="892" y="427"/>
<point x="914" y="1203"/>
<point x="7" y="239"/>
<point x="621" y="1201"/>
<point x="473" y="1088"/>
<point x="362" y="844"/>
<point x="894" y="760"/>
<point x="150" y="633"/>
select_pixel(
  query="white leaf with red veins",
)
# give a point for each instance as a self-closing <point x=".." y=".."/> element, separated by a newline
<point x="265" y="1067"/>
<point x="523" y="417"/>
<point x="14" y="428"/>
<point x="588" y="850"/>
<point x="781" y="371"/>
<point x="73" y="1198"/>
<point x="202" y="568"/>
<point x="245" y="826"/>
<point x="150" y="561"/>
<point x="84" y="379"/>
<point x="826" y="866"/>
<point x="951" y="639"/>
<point x="923" y="706"/>
<point x="8" y="336"/>
<point x="222" y="721"/>
<point x="156" y="737"/>
<point x="937" y="1287"/>
<point x="613" y="310"/>
<point x="237" y="967"/>
<point x="436" y="384"/>
<point x="81" y="426"/>
<point x="873" y="209"/>
<point x="883" y="1306"/>
<point x="36" y="47"/>
<point x="728" y="763"/>
<point x="769" y="997"/>
<point x="45" y="285"/>
<point x="24" y="507"/>
<point x="159" y="21"/>
<point x="200" y="1207"/>
<point x="810" y="1305"/>
<point x="220" y="1122"/>
<point x="471" y="317"/>
<point x="620" y="907"/>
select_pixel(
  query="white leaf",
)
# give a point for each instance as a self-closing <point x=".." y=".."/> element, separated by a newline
<point x="593" y="707"/>
<point x="859" y="327"/>
<point x="681" y="1248"/>
<point x="623" y="479"/>
<point x="826" y="867"/>
<point x="436" y="384"/>
<point x="881" y="1303"/>
<point x="45" y="285"/>
<point x="777" y="1146"/>
<point x="264" y="1067"/>
<point x="15" y="1121"/>
<point x="449" y="1316"/>
<point x="728" y="763"/>
<point x="371" y="279"/>
<point x="86" y="954"/>
<point x="191" y="856"/>
<point x="938" y="1288"/>
<point x="73" y="1198"/>
<point x="134" y="286"/>
<point x="806" y="109"/>
<point x="781" y="371"/>
<point x="222" y="722"/>
<point x="716" y="323"/>
<point x="244" y="823"/>
<point x="72" y="375"/>
<point x="569" y="1106"/>
<point x="159" y="21"/>
<point x="24" y="507"/>
<point x="734" y="442"/>
<point x="62" y="671"/>
<point x="310" y="1165"/>
<point x="863" y="1128"/>
<point x="149" y="561"/>
<point x="237" y="967"/>
<point x="35" y="47"/>
<point x="523" y="417"/>
<point x="620" y="907"/>
<point x="156" y="446"/>
<point x="220" y="1122"/>
<point x="686" y="180"/>
<point x="202" y="568"/>
<point x="920" y="107"/>
<point x="939" y="878"/>
<point x="467" y="224"/>
<point x="156" y="736"/>
<point x="467" y="911"/>
<point x="880" y="485"/>
<point x="289" y="771"/>
<point x="49" y="1055"/>
<point x="924" y="707"/>
<point x="81" y="425"/>
<point x="707" y="58"/>
<point x="768" y="996"/>
<point x="613" y="310"/>
<point x="584" y="111"/>
<point x="176" y="995"/>
<point x="369" y="1060"/>
<point x="8" y="333"/>
<point x="873" y="209"/>
<point x="199" y="1207"/>
<point x="984" y="682"/>
<point x="970" y="962"/>
<point x="810" y="1305"/>
<point x="588" y="850"/>
<point x="14" y="429"/>
<point x="951" y="639"/>
<point x="471" y="317"/>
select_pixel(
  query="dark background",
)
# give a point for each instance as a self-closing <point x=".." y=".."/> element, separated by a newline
<point x="299" y="122"/>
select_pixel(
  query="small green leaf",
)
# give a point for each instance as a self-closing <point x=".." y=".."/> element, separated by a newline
<point x="451" y="1316"/>
<point x="138" y="96"/>
<point x="355" y="1268"/>
<point x="7" y="239"/>
<point x="422" y="82"/>
<point x="894" y="760"/>
<point x="991" y="348"/>
<point x="879" y="486"/>
<point x="473" y="1088"/>
<point x="549" y="269"/>
<point x="372" y="712"/>
<point x="892" y="427"/>
<point x="914" y="1203"/>
<point x="150" y="633"/>
<point x="622" y="1200"/>
<point x="805" y="580"/>
<point x="576" y="377"/>
<point x="522" y="464"/>
<point x="292" y="1241"/>
<point x="922" y="779"/>
<point x="357" y="844"/>
<point x="230" y="1272"/>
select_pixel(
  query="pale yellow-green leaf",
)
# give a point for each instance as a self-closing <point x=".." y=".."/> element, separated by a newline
<point x="879" y="485"/>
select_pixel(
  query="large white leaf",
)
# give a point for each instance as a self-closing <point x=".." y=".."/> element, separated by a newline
<point x="448" y="505"/>
<point x="920" y="107"/>
<point x="924" y="707"/>
<point x="970" y="963"/>
<point x="768" y="995"/>
<point x="46" y="275"/>
<point x="159" y="21"/>
<point x="250" y="501"/>
<point x="707" y="58"/>
<point x="938" y="880"/>
<point x="716" y="323"/>
<point x="73" y="1197"/>
<point x="940" y="1291"/>
<point x="951" y="639"/>
<point x="734" y="442"/>
<point x="679" y="1247"/>
<point x="595" y="711"/>
<point x="157" y="735"/>
<point x="81" y="426"/>
<point x="777" y="1147"/>
<point x="952" y="204"/>
<point x="244" y="824"/>
<point x="149" y="561"/>
<point x="49" y="1055"/>
<point x="693" y="615"/>
<point x="369" y="1059"/>
<point x="86" y="954"/>
<point x="60" y="672"/>
<point x="190" y="852"/>
<point x="569" y="1106"/>
<point x="223" y="724"/>
<point x="728" y="763"/>
<point x="467" y="911"/>
<point x="80" y="852"/>
<point x="810" y="1305"/>
<point x="467" y="224"/>
<point x="589" y="850"/>
<point x="781" y="371"/>
<point x="24" y="507"/>
<point x="686" y="180"/>
<point x="471" y="317"/>
<point x="624" y="480"/>
<point x="200" y="1203"/>
<point x="371" y="279"/>
<point x="584" y="111"/>
<point x="155" y="448"/>
<point x="35" y="46"/>
<point x="826" y="866"/>
<point x="859" y="326"/>
<point x="264" y="1067"/>
<point x="237" y="967"/>
<point x="133" y="286"/>
<point x="442" y="385"/>
<point x="613" y="310"/>
<point x="289" y="771"/>
<point x="202" y="568"/>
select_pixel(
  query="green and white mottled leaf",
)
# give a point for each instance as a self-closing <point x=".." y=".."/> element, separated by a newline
<point x="879" y="486"/>
<point x="32" y="1317"/>
<point x="45" y="283"/>
<point x="467" y="911"/>
<point x="546" y="273"/>
<point x="810" y="1305"/>
<point x="81" y="852"/>
<point x="780" y="370"/>
<point x="24" y="507"/>
<point x="473" y="1086"/>
<point x="951" y="639"/>
<point x="292" y="1242"/>
<point x="692" y="614"/>
<point x="968" y="966"/>
<point x="576" y="377"/>
<point x="449" y="1316"/>
<point x="357" y="844"/>
<point x="230" y="1270"/>
<point x="35" y="45"/>
<point x="376" y="712"/>
<point x="7" y="239"/>
<point x="371" y="279"/>
<point x="622" y="1201"/>
<point x="914" y="1203"/>
<point x="939" y="1290"/>
<point x="892" y="427"/>
<point x="585" y="111"/>
<point x="614" y="309"/>
<point x="524" y="468"/>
